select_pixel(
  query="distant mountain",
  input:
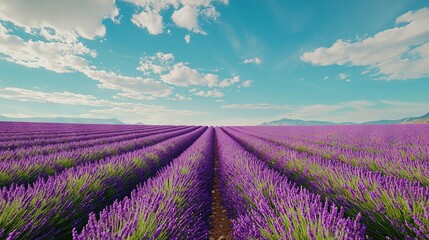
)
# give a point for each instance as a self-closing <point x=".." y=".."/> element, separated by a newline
<point x="298" y="122"/>
<point x="62" y="120"/>
<point x="421" y="119"/>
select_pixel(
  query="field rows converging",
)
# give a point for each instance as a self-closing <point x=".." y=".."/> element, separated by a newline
<point x="261" y="201"/>
<point x="10" y="145"/>
<point x="82" y="189"/>
<point x="390" y="206"/>
<point x="82" y="181"/>
<point x="19" y="153"/>
<point x="29" y="169"/>
<point x="174" y="204"/>
<point x="409" y="161"/>
<point x="16" y="131"/>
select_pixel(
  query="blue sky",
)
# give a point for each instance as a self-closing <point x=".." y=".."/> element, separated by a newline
<point x="208" y="62"/>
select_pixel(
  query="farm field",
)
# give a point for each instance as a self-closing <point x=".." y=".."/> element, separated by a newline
<point x="94" y="181"/>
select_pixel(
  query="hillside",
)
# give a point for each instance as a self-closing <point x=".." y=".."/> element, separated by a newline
<point x="294" y="122"/>
<point x="421" y="119"/>
<point x="298" y="122"/>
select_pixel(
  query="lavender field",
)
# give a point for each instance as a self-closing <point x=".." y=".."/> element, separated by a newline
<point x="88" y="181"/>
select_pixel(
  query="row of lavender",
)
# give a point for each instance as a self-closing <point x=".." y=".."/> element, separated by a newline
<point x="27" y="170"/>
<point x="78" y="142"/>
<point x="390" y="205"/>
<point x="402" y="151"/>
<point x="83" y="151"/>
<point x="265" y="205"/>
<point x="173" y="205"/>
<point x="51" y="207"/>
<point x="13" y="141"/>
<point x="10" y="131"/>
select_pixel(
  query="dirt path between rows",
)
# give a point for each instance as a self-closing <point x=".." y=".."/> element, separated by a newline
<point x="221" y="227"/>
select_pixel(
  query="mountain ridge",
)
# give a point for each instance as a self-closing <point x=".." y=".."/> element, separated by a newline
<point x="298" y="122"/>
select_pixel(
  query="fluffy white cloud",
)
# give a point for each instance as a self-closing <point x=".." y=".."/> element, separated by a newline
<point x="61" y="23"/>
<point x="211" y="13"/>
<point x="187" y="38"/>
<point x="343" y="76"/>
<point x="180" y="97"/>
<point x="57" y="27"/>
<point x="229" y="81"/>
<point x="157" y="64"/>
<point x="187" y="17"/>
<point x="399" y="53"/>
<point x="215" y="93"/>
<point x="196" y="2"/>
<point x="165" y="56"/>
<point x="148" y="67"/>
<point x="63" y="57"/>
<point x="247" y="83"/>
<point x="56" y="56"/>
<point x="255" y="60"/>
<point x="186" y="13"/>
<point x="70" y="19"/>
<point x="53" y="42"/>
<point x="131" y="87"/>
<point x="182" y="75"/>
<point x="162" y="66"/>
<point x="149" y="20"/>
<point x="155" y="5"/>
<point x="210" y="79"/>
<point x="234" y="81"/>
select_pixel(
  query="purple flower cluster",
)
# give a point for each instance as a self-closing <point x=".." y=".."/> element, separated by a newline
<point x="390" y="206"/>
<point x="175" y="204"/>
<point x="51" y="208"/>
<point x="263" y="204"/>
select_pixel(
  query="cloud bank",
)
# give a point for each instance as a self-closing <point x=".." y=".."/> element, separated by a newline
<point x="398" y="53"/>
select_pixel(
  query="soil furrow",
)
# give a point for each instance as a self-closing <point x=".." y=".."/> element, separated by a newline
<point x="221" y="226"/>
